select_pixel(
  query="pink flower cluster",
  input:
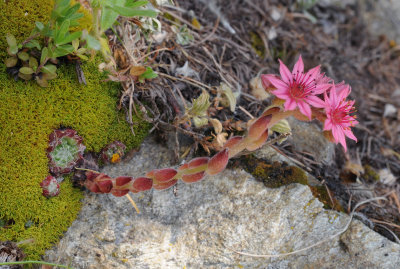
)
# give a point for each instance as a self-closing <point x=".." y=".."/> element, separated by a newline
<point x="304" y="90"/>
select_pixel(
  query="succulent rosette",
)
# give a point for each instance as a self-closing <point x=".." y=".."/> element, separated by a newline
<point x="65" y="151"/>
<point x="50" y="186"/>
<point x="113" y="152"/>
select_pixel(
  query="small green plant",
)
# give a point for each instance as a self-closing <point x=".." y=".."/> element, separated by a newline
<point x="37" y="57"/>
<point x="65" y="151"/>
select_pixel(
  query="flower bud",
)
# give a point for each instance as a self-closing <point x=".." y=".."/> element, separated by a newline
<point x="218" y="162"/>
<point x="103" y="182"/>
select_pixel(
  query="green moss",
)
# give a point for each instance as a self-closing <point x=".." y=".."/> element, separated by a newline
<point x="257" y="44"/>
<point x="330" y="202"/>
<point x="19" y="17"/>
<point x="28" y="114"/>
<point x="370" y="175"/>
<point x="274" y="175"/>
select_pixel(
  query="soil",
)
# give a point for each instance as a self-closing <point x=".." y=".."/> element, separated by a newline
<point x="240" y="39"/>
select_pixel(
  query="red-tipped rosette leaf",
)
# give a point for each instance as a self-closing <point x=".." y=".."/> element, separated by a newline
<point x="258" y="143"/>
<point x="119" y="193"/>
<point x="218" y="162"/>
<point x="258" y="127"/>
<point x="141" y="184"/>
<point x="162" y="175"/>
<point x="193" y="177"/>
<point x="120" y="181"/>
<point x="50" y="186"/>
<point x="164" y="185"/>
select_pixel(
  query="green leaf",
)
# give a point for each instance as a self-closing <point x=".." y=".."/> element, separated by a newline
<point x="33" y="63"/>
<point x="75" y="44"/>
<point x="70" y="38"/>
<point x="72" y="10"/>
<point x="33" y="44"/>
<point x="39" y="26"/>
<point x="45" y="53"/>
<point x="93" y="43"/>
<point x="62" y="50"/>
<point x="83" y="57"/>
<point x="11" y="62"/>
<point x="24" y="56"/>
<point x="49" y="69"/>
<point x="62" y="32"/>
<point x="148" y="74"/>
<point x="26" y="70"/>
<point x="42" y="82"/>
<point x="48" y="76"/>
<point x="25" y="76"/>
<point x="12" y="42"/>
<point x="135" y="4"/>
<point x="13" y="50"/>
<point x="108" y="18"/>
<point x="131" y="12"/>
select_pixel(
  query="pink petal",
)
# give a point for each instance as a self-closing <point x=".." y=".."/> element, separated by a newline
<point x="298" y="67"/>
<point x="328" y="125"/>
<point x="285" y="73"/>
<point x="305" y="109"/>
<point x="340" y="135"/>
<point x="321" y="88"/>
<point x="290" y="104"/>
<point x="315" y="101"/>
<point x="343" y="91"/>
<point x="333" y="97"/>
<point x="311" y="74"/>
<point x="278" y="83"/>
<point x="350" y="134"/>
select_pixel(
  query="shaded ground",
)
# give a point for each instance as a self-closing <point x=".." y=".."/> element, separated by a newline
<point x="234" y="44"/>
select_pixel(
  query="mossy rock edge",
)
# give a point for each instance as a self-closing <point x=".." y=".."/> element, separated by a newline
<point x="28" y="114"/>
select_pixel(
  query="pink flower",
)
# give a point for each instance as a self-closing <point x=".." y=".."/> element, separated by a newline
<point x="299" y="89"/>
<point x="338" y="111"/>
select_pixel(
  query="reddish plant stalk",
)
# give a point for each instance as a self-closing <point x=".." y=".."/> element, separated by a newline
<point x="195" y="169"/>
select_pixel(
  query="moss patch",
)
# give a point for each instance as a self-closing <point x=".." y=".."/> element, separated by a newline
<point x="28" y="114"/>
<point x="275" y="175"/>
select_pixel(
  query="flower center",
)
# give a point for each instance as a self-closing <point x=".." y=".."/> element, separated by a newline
<point x="297" y="91"/>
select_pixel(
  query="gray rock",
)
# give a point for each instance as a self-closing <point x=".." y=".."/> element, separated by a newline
<point x="199" y="225"/>
<point x="308" y="137"/>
